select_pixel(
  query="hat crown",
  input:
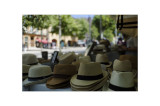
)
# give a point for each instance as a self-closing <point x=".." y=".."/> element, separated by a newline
<point x="85" y="59"/>
<point x="122" y="65"/>
<point x="29" y="59"/>
<point x="65" y="69"/>
<point x="39" y="71"/>
<point x="122" y="79"/>
<point x="67" y="58"/>
<point x="90" y="69"/>
<point x="100" y="46"/>
<point x="101" y="58"/>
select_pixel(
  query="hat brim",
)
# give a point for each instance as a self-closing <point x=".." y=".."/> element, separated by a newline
<point x="90" y="88"/>
<point x="78" y="82"/>
<point x="55" y="81"/>
<point x="26" y="82"/>
<point x="110" y="63"/>
<point x="58" y="86"/>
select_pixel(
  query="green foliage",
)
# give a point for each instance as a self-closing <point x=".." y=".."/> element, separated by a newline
<point x="83" y="27"/>
<point x="94" y="32"/>
<point x="108" y="26"/>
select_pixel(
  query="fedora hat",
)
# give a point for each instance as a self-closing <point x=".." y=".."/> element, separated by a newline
<point x="132" y="58"/>
<point x="88" y="75"/>
<point x="121" y="81"/>
<point x="67" y="58"/>
<point x="29" y="59"/>
<point x="122" y="65"/>
<point x="103" y="59"/>
<point x="25" y="69"/>
<point x="38" y="74"/>
<point x="61" y="75"/>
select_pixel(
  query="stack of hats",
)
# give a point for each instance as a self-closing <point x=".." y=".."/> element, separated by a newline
<point x="67" y="58"/>
<point x="133" y="60"/>
<point x="28" y="60"/>
<point x="38" y="74"/>
<point x="122" y="79"/>
<point x="61" y="76"/>
<point x="90" y="77"/>
<point x="99" y="49"/>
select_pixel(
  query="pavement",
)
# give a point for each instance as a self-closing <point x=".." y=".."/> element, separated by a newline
<point x="37" y="51"/>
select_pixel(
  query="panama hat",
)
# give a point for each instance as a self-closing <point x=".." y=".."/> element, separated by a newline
<point x="29" y="59"/>
<point x="67" y="58"/>
<point x="61" y="75"/>
<point x="122" y="65"/>
<point x="121" y="81"/>
<point x="132" y="58"/>
<point x="88" y="74"/>
<point x="38" y="74"/>
<point x="25" y="69"/>
<point x="103" y="59"/>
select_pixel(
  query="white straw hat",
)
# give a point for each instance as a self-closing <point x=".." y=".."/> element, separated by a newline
<point x="38" y="74"/>
<point x="122" y="65"/>
<point x="121" y="81"/>
<point x="29" y="59"/>
<point x="84" y="59"/>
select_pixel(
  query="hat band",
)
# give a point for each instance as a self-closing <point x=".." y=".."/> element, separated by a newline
<point x="61" y="76"/>
<point x="33" y="63"/>
<point x="38" y="78"/>
<point x="116" y="88"/>
<point x="105" y="63"/>
<point x="82" y="77"/>
<point x="25" y="74"/>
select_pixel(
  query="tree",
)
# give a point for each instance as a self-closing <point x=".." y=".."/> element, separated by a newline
<point x="94" y="32"/>
<point x="83" y="27"/>
<point x="108" y="25"/>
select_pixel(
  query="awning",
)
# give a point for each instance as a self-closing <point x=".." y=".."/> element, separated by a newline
<point x="43" y="41"/>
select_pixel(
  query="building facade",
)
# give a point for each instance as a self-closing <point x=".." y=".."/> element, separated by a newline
<point x="36" y="38"/>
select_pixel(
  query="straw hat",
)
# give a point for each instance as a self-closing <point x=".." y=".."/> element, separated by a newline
<point x="103" y="59"/>
<point x="84" y="59"/>
<point x="25" y="69"/>
<point x="99" y="47"/>
<point x="29" y="59"/>
<point x="132" y="58"/>
<point x="122" y="65"/>
<point x="67" y="58"/>
<point x="61" y="75"/>
<point x="121" y="81"/>
<point x="89" y="74"/>
<point x="38" y="74"/>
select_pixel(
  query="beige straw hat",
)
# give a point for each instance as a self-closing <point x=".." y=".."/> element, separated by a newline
<point x="84" y="59"/>
<point x="122" y="65"/>
<point x="67" y="58"/>
<point x="121" y="81"/>
<point x="29" y="59"/>
<point x="103" y="59"/>
<point x="89" y="74"/>
<point x="38" y="74"/>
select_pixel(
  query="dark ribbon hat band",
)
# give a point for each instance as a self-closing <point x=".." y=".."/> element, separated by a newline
<point x="61" y="76"/>
<point x="82" y="77"/>
<point x="105" y="63"/>
<point x="38" y="78"/>
<point x="116" y="88"/>
<point x="33" y="63"/>
<point x="25" y="74"/>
